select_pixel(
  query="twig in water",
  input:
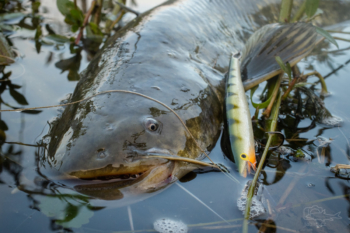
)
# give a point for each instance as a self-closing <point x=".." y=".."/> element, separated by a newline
<point x="291" y="186"/>
<point x="331" y="31"/>
<point x="127" y="8"/>
<point x="200" y="201"/>
<point x="183" y="159"/>
<point x="268" y="206"/>
<point x="87" y="16"/>
<point x="11" y="59"/>
<point x="267" y="111"/>
<point x="117" y="20"/>
<point x="130" y="219"/>
<point x="340" y="38"/>
<point x="322" y="200"/>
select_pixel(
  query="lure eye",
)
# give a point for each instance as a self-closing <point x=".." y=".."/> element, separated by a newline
<point x="152" y="125"/>
<point x="243" y="156"/>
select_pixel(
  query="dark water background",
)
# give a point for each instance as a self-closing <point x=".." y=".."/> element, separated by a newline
<point x="44" y="80"/>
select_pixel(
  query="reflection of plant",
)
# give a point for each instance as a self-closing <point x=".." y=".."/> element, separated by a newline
<point x="9" y="161"/>
<point x="66" y="210"/>
<point x="96" y="23"/>
<point x="6" y="84"/>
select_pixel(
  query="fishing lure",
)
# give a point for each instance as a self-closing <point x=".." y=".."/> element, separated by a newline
<point x="238" y="120"/>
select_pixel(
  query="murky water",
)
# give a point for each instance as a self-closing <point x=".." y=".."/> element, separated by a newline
<point x="301" y="194"/>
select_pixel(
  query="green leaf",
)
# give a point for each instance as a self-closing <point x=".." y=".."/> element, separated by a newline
<point x="18" y="97"/>
<point x="75" y="28"/>
<point x="6" y="55"/>
<point x="58" y="38"/>
<point x="63" y="6"/>
<point x="95" y="29"/>
<point x="281" y="64"/>
<point x="38" y="32"/>
<point x="35" y="6"/>
<point x="286" y="68"/>
<point x="77" y="15"/>
<point x="311" y="7"/>
<point x="299" y="153"/>
<point x="261" y="105"/>
<point x="326" y="35"/>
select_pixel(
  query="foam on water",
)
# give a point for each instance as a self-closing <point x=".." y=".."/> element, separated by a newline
<point x="166" y="225"/>
<point x="257" y="208"/>
<point x="332" y="121"/>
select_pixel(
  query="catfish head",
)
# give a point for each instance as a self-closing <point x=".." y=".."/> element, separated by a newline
<point x="120" y="142"/>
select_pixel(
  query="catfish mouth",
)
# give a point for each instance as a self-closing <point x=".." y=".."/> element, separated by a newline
<point x="142" y="164"/>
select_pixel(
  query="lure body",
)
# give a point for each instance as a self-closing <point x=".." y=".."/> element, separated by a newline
<point x="238" y="120"/>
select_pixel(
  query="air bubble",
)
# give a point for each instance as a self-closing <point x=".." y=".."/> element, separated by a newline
<point x="166" y="225"/>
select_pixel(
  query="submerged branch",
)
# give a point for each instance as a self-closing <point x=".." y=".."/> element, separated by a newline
<point x="319" y="76"/>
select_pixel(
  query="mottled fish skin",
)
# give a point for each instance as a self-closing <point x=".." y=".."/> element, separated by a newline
<point x="181" y="47"/>
<point x="239" y="120"/>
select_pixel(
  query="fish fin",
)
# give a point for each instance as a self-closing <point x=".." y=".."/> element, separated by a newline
<point x="291" y="42"/>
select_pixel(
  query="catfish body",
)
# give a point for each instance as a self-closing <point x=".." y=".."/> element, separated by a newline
<point x="176" y="53"/>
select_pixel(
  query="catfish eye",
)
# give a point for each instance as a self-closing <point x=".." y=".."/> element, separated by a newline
<point x="151" y="124"/>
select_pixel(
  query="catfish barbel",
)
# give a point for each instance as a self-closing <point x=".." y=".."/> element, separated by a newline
<point x="177" y="53"/>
